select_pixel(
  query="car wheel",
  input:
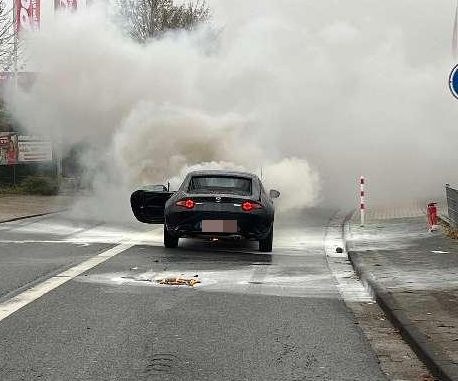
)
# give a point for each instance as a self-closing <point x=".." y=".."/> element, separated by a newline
<point x="265" y="245"/>
<point x="170" y="241"/>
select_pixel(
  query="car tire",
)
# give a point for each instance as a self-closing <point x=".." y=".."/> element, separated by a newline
<point x="170" y="241"/>
<point x="265" y="245"/>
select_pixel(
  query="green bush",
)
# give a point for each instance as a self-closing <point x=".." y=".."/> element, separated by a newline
<point x="11" y="189"/>
<point x="41" y="185"/>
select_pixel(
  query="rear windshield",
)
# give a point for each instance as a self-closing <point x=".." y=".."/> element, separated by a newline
<point x="220" y="184"/>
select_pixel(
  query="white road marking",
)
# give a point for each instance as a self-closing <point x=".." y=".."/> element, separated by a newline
<point x="305" y="246"/>
<point x="15" y="241"/>
<point x="96" y="235"/>
<point x="17" y="302"/>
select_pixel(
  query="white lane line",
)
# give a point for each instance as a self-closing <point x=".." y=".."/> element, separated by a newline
<point x="14" y="304"/>
<point x="95" y="236"/>
<point x="11" y="241"/>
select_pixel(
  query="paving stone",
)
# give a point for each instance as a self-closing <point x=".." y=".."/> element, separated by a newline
<point x="20" y="206"/>
<point x="402" y="257"/>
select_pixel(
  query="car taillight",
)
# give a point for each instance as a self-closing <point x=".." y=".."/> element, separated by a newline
<point x="189" y="204"/>
<point x="248" y="206"/>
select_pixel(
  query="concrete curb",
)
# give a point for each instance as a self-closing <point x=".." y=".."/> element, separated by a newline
<point x="432" y="356"/>
<point x="32" y="215"/>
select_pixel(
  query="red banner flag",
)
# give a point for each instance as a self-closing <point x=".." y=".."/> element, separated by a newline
<point x="66" y="4"/>
<point x="9" y="150"/>
<point x="27" y="15"/>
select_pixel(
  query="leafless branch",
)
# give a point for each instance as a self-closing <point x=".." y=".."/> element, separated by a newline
<point x="147" y="19"/>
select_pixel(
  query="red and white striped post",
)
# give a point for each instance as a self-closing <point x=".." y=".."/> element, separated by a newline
<point x="362" y="203"/>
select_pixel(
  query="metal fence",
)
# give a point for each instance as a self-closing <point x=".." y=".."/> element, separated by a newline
<point x="15" y="174"/>
<point x="452" y="205"/>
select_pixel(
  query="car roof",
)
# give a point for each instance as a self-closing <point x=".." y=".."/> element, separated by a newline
<point x="219" y="172"/>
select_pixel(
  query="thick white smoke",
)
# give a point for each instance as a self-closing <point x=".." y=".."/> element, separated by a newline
<point x="297" y="88"/>
<point x="154" y="111"/>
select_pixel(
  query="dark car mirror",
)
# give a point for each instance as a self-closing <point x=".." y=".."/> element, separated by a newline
<point x="274" y="193"/>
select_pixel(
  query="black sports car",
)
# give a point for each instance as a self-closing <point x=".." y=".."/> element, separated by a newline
<point x="210" y="204"/>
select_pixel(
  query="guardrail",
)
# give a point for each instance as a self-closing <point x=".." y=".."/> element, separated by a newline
<point x="452" y="205"/>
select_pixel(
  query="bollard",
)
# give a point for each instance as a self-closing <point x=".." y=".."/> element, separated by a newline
<point x="362" y="203"/>
<point x="432" y="216"/>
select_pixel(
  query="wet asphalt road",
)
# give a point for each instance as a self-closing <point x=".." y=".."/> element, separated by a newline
<point x="253" y="317"/>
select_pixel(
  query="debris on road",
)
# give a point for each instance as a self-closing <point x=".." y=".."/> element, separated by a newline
<point x="179" y="281"/>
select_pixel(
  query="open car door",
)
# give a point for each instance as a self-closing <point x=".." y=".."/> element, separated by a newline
<point x="148" y="203"/>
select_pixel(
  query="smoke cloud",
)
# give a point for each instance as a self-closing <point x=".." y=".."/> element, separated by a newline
<point x="316" y="93"/>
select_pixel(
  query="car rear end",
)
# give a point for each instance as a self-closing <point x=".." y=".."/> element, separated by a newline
<point x="226" y="206"/>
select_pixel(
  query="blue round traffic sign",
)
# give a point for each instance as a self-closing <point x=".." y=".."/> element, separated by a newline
<point x="453" y="81"/>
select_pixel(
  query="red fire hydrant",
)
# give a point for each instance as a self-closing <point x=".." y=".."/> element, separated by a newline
<point x="432" y="216"/>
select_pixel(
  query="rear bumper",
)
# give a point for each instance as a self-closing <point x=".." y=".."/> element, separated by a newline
<point x="184" y="223"/>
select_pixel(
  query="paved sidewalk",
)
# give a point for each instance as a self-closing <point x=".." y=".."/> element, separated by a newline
<point x="414" y="275"/>
<point x="21" y="206"/>
<point x="401" y="210"/>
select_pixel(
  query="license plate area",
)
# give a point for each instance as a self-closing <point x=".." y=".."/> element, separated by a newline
<point x="219" y="226"/>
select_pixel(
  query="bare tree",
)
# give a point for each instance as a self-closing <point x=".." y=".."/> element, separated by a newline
<point x="6" y="58"/>
<point x="147" y="19"/>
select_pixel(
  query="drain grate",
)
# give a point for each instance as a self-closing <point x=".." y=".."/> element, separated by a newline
<point x="162" y="363"/>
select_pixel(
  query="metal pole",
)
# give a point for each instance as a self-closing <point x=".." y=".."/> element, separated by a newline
<point x="362" y="205"/>
<point x="59" y="162"/>
<point x="455" y="35"/>
<point x="15" y="44"/>
<point x="15" y="63"/>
